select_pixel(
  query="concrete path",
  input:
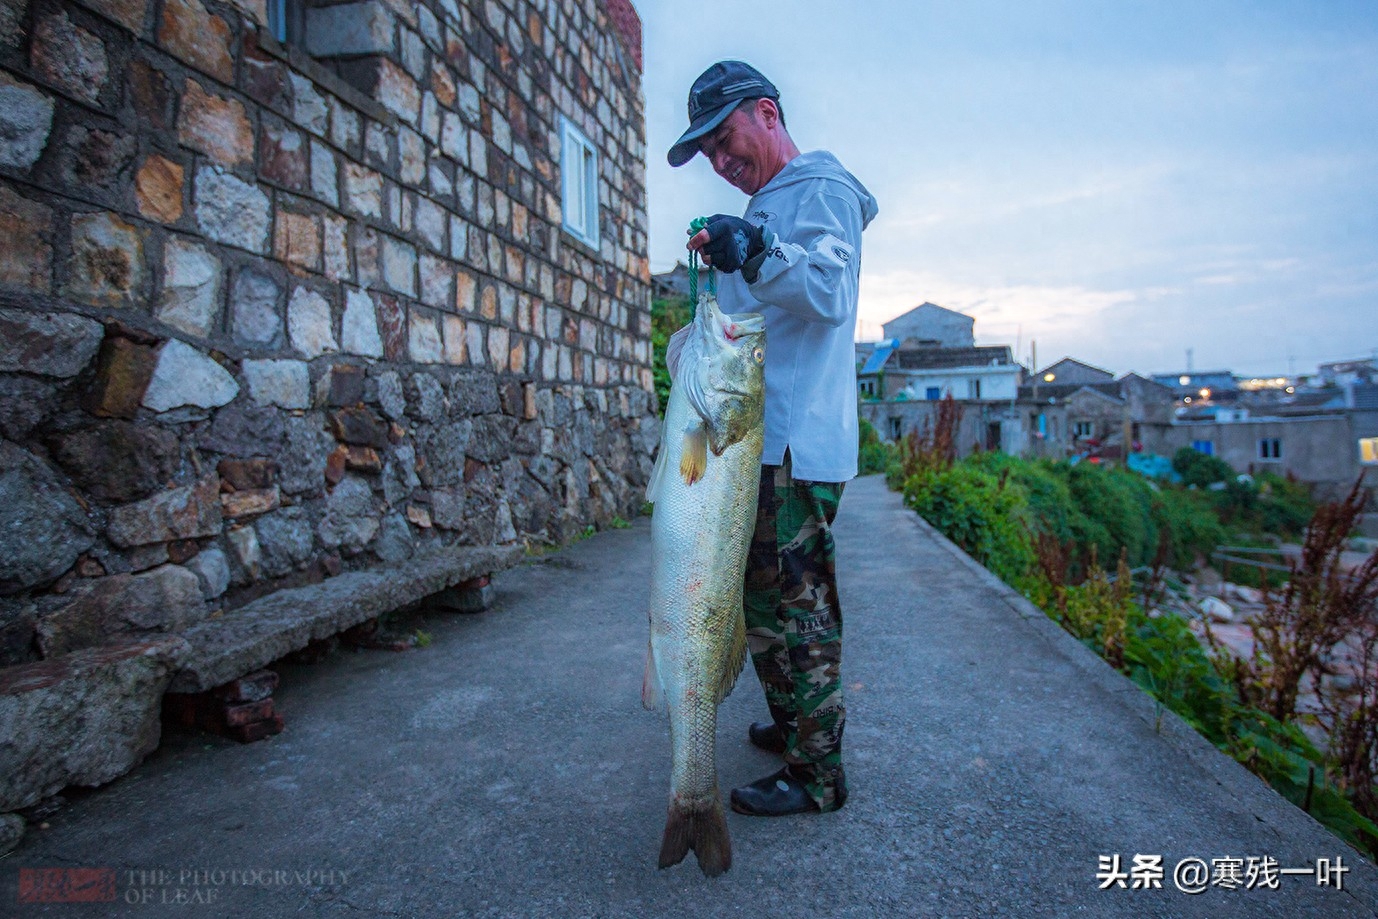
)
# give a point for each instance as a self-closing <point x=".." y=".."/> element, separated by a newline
<point x="509" y="770"/>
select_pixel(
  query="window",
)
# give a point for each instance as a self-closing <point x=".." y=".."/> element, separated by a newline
<point x="896" y="428"/>
<point x="1270" y="448"/>
<point x="933" y="392"/>
<point x="868" y="387"/>
<point x="579" y="173"/>
<point x="1204" y="446"/>
<point x="973" y="389"/>
<point x="1083" y="428"/>
<point x="1368" y="449"/>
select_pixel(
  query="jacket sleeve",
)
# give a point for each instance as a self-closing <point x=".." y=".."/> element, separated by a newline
<point x="813" y="273"/>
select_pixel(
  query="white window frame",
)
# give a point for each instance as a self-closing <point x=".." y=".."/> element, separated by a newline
<point x="578" y="184"/>
<point x="1270" y="449"/>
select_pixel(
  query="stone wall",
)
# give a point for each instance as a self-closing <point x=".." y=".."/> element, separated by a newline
<point x="271" y="313"/>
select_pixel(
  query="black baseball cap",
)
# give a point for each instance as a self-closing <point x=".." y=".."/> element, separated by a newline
<point x="713" y="97"/>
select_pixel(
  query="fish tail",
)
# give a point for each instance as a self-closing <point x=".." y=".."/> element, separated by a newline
<point x="699" y="825"/>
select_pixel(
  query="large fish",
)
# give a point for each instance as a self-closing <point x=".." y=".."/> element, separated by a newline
<point x="704" y="488"/>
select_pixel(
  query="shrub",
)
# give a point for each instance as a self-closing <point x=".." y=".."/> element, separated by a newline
<point x="981" y="513"/>
<point x="1196" y="468"/>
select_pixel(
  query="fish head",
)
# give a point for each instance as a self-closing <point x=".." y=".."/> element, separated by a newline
<point x="727" y="380"/>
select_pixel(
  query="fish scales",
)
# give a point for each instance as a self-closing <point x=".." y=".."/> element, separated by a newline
<point x="705" y="490"/>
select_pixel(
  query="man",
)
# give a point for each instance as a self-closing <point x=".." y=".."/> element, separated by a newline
<point x="796" y="259"/>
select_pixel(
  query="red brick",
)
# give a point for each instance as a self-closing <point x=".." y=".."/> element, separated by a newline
<point x="245" y="713"/>
<point x="249" y="733"/>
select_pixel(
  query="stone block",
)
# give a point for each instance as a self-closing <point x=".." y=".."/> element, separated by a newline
<point x="186" y="376"/>
<point x="244" y="474"/>
<point x="11" y="831"/>
<point x="324" y="176"/>
<point x="392" y="323"/>
<point x="297" y="239"/>
<point x="397" y="91"/>
<point x="42" y="528"/>
<point x="190" y="299"/>
<point x="358" y="425"/>
<point x="107" y="262"/>
<point x="471" y="597"/>
<point x="309" y="109"/>
<point x="198" y="37"/>
<point x="231" y="211"/>
<point x="302" y="456"/>
<point x="359" y="331"/>
<point x="351" y="519"/>
<point x="158" y="189"/>
<point x="455" y="349"/>
<point x="254" y="307"/>
<point x="212" y="572"/>
<point x="424" y="344"/>
<point x="26" y="259"/>
<point x="282" y="155"/>
<point x="286" y="541"/>
<point x="285" y="383"/>
<point x="287" y="620"/>
<point x="26" y="119"/>
<point x="335" y="229"/>
<point x="187" y="512"/>
<point x="399" y="265"/>
<point x="437" y="281"/>
<point x="49" y="344"/>
<point x="346" y="385"/>
<point x="363" y="190"/>
<point x="250" y="503"/>
<point x="128" y="13"/>
<point x="350" y="29"/>
<point x="309" y="323"/>
<point x="247" y="551"/>
<point x="363" y="459"/>
<point x="124" y="369"/>
<point x="83" y="719"/>
<point x="99" y="611"/>
<point x="216" y="126"/>
<point x="70" y="57"/>
<point x="24" y="405"/>
<point x="115" y="460"/>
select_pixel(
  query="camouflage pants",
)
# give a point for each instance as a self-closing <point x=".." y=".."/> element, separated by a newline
<point x="794" y="623"/>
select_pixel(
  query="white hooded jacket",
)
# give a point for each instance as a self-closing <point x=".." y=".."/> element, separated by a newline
<point x="805" y="285"/>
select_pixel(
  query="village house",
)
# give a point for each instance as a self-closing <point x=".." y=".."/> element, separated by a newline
<point x="308" y="310"/>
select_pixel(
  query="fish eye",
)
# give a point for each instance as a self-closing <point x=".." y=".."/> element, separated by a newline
<point x="758" y="355"/>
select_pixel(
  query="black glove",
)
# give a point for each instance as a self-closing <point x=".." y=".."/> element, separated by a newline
<point x="732" y="242"/>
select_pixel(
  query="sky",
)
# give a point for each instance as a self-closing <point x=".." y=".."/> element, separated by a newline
<point x="1119" y="183"/>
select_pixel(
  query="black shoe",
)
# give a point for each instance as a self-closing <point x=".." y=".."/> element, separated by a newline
<point x="767" y="736"/>
<point x="777" y="795"/>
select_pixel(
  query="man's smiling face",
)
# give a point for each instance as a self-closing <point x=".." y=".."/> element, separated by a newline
<point x="743" y="149"/>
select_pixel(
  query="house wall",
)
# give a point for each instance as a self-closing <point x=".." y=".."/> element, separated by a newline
<point x="1320" y="450"/>
<point x="933" y="323"/>
<point x="896" y="419"/>
<point x="996" y="382"/>
<point x="266" y="317"/>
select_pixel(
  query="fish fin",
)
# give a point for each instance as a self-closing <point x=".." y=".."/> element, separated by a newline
<point x="650" y="683"/>
<point x="701" y="826"/>
<point x="693" y="459"/>
<point x="658" y="473"/>
<point x="736" y="659"/>
<point x="675" y="347"/>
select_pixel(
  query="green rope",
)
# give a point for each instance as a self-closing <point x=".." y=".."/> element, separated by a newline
<point x="695" y="225"/>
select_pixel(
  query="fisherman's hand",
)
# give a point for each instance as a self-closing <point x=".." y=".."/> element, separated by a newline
<point x="728" y="243"/>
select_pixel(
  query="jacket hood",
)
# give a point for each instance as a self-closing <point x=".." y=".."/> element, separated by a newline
<point x="820" y="164"/>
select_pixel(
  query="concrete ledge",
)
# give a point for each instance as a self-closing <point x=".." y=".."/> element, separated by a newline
<point x="249" y="638"/>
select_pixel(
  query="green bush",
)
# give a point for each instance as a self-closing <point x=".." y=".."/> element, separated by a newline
<point x="983" y="514"/>
<point x="1196" y="468"/>
<point x="668" y="315"/>
<point x="873" y="455"/>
